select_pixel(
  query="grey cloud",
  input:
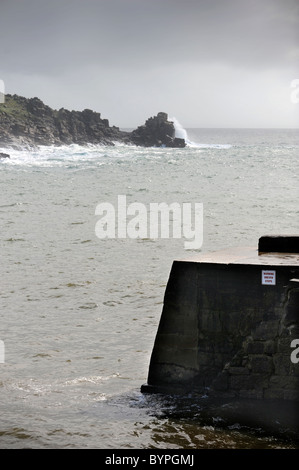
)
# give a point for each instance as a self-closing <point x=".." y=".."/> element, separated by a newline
<point x="124" y="58"/>
<point x="48" y="37"/>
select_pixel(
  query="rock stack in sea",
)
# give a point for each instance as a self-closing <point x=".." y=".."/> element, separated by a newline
<point x="28" y="122"/>
<point x="157" y="132"/>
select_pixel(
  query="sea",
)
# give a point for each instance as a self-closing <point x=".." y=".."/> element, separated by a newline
<point x="79" y="313"/>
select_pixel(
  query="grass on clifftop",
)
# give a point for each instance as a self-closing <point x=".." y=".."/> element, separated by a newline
<point x="14" y="108"/>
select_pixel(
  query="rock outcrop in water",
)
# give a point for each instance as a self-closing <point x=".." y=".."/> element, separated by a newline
<point x="156" y="132"/>
<point x="4" y="155"/>
<point x="29" y="122"/>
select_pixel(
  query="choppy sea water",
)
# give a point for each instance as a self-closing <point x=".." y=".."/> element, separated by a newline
<point x="79" y="314"/>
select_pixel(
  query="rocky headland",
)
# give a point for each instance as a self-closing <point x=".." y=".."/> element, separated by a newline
<point x="28" y="122"/>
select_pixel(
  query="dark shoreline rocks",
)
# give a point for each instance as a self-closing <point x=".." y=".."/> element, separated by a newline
<point x="4" y="155"/>
<point x="28" y="122"/>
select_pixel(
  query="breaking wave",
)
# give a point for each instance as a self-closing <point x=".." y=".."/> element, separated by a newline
<point x="181" y="133"/>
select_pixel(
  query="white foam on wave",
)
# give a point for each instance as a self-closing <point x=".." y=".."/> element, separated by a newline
<point x="48" y="156"/>
<point x="75" y="154"/>
<point x="213" y="146"/>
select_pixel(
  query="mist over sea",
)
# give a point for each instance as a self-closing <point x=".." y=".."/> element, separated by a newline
<point x="79" y="314"/>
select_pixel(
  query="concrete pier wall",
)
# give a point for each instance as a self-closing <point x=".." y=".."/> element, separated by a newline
<point x="227" y="325"/>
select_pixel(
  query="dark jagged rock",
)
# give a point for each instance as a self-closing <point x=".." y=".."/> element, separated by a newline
<point x="28" y="122"/>
<point x="4" y="155"/>
<point x="157" y="132"/>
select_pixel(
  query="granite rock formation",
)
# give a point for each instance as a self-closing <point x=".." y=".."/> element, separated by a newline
<point x="157" y="132"/>
<point x="29" y="122"/>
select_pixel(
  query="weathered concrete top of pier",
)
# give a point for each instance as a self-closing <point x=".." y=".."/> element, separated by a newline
<point x="246" y="255"/>
<point x="272" y="251"/>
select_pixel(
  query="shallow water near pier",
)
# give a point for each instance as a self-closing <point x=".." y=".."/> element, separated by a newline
<point x="79" y="314"/>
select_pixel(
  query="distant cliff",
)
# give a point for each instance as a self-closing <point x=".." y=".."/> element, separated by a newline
<point x="27" y="122"/>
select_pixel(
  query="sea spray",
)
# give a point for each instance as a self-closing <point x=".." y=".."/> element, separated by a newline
<point x="180" y="132"/>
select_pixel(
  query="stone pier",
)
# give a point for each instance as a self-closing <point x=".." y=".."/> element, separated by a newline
<point x="228" y="322"/>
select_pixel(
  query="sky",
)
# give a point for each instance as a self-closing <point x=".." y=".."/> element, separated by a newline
<point x="208" y="63"/>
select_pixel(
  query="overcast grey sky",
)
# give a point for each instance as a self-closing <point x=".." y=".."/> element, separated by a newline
<point x="209" y="63"/>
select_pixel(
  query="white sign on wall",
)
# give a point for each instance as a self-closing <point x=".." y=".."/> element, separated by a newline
<point x="269" y="278"/>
